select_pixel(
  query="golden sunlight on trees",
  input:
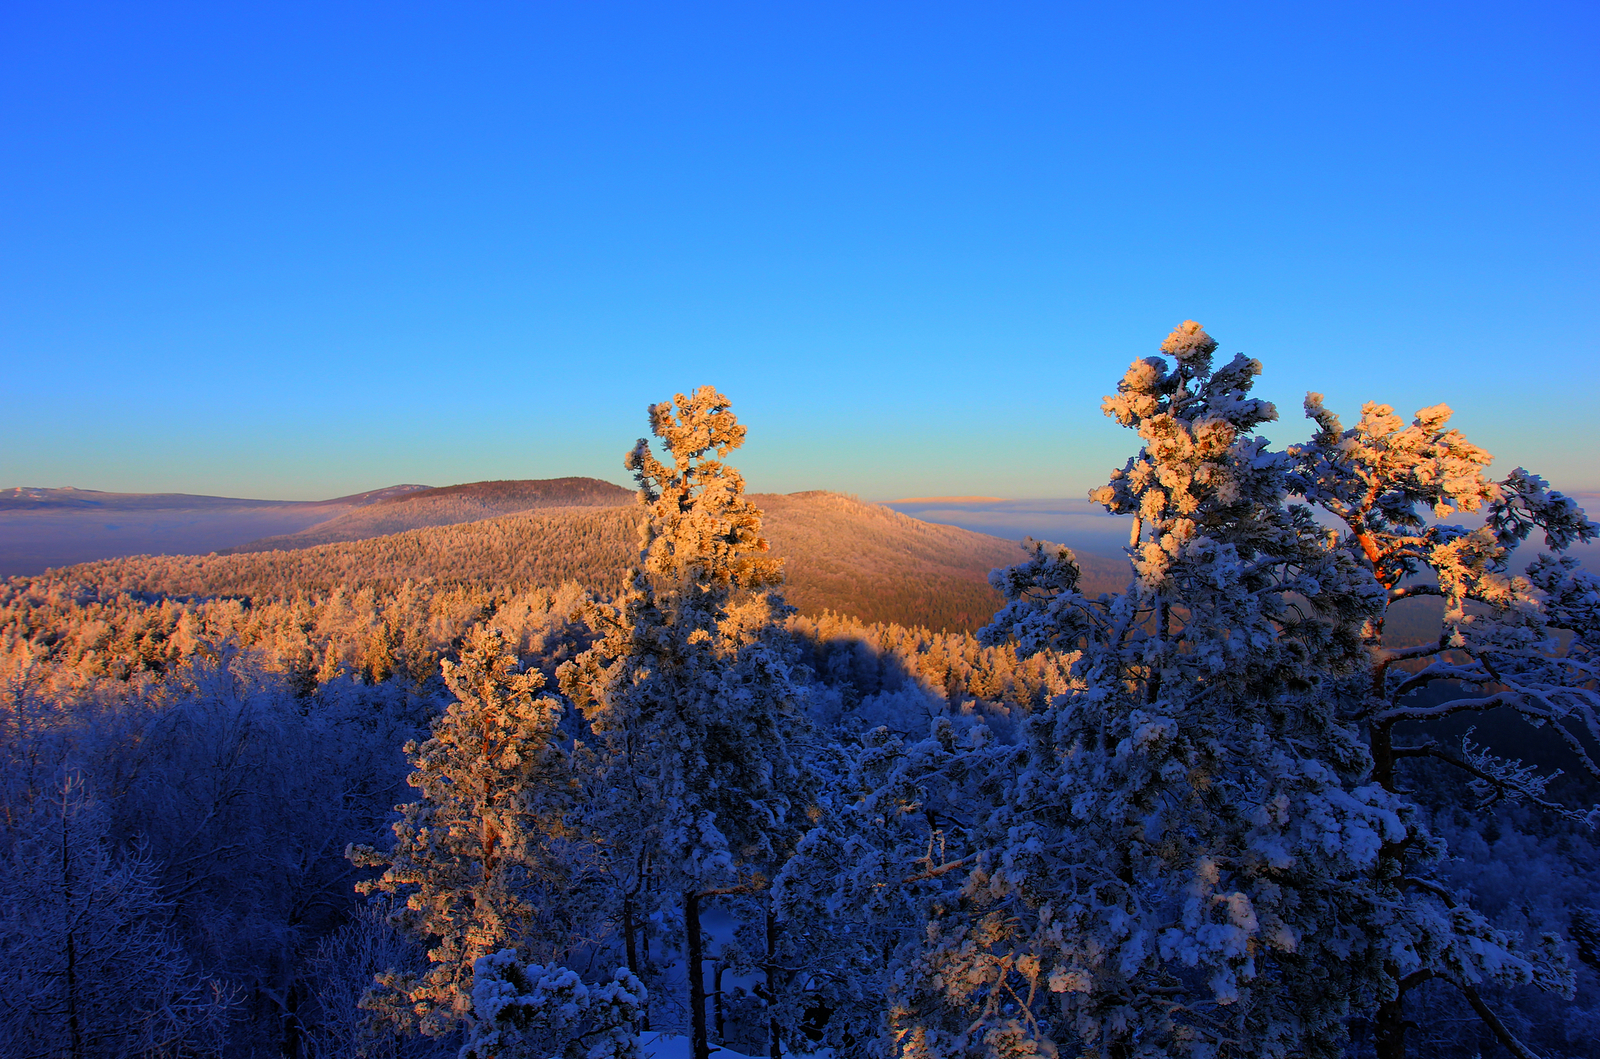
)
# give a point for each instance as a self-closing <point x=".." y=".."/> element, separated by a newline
<point x="1250" y="799"/>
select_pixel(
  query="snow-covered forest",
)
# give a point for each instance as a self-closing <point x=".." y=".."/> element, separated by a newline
<point x="422" y="796"/>
<point x="845" y="556"/>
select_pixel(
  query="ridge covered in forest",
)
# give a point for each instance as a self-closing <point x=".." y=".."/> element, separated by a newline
<point x="449" y="505"/>
<point x="38" y="498"/>
<point x="203" y="752"/>
<point x="841" y="554"/>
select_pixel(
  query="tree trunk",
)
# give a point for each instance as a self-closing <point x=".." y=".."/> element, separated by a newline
<point x="719" y="969"/>
<point x="643" y="927"/>
<point x="75" y="1030"/>
<point x="774" y="1044"/>
<point x="1163" y="621"/>
<point x="697" y="981"/>
<point x="293" y="1030"/>
<point x="74" y="1027"/>
<point x="1389" y="1029"/>
<point x="628" y="935"/>
<point x="1382" y="738"/>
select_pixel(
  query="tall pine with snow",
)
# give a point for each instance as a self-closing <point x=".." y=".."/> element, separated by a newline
<point x="899" y="819"/>
<point x="1195" y="859"/>
<point x="1522" y="643"/>
<point x="485" y="858"/>
<point x="696" y="789"/>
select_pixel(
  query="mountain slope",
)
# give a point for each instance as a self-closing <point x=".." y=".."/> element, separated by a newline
<point x="449" y="505"/>
<point x="840" y="554"/>
<point x="838" y="549"/>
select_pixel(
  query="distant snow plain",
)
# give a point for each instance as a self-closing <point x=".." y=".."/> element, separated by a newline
<point x="1079" y="524"/>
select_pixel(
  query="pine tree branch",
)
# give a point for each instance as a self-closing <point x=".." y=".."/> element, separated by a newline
<point x="724" y="891"/>
<point x="1430" y="887"/>
<point x="943" y="869"/>
<point x="1498" y="1028"/>
<point x="1412" y="592"/>
<point x="1396" y="714"/>
<point x="1388" y="655"/>
<point x="1433" y="750"/>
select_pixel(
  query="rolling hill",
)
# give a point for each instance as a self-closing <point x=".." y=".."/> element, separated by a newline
<point x="447" y="506"/>
<point x="840" y="554"/>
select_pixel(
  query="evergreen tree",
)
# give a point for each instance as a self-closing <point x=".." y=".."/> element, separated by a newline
<point x="485" y="858"/>
<point x="531" y="1011"/>
<point x="91" y="969"/>
<point x="696" y="786"/>
<point x="1194" y="859"/>
<point x="897" y="820"/>
<point x="1519" y="643"/>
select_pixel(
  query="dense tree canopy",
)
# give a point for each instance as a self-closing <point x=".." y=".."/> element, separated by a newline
<point x="1260" y="801"/>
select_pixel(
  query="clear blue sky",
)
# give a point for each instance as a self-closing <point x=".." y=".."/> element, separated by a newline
<point x="294" y="251"/>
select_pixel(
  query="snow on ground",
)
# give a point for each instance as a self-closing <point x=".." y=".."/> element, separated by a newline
<point x="676" y="1046"/>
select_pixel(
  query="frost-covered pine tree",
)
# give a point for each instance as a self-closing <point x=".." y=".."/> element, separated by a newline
<point x="485" y="858"/>
<point x="696" y="790"/>
<point x="1381" y="479"/>
<point x="896" y="820"/>
<point x="1522" y="642"/>
<point x="1191" y="861"/>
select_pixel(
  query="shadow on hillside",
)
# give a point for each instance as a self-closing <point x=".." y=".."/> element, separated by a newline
<point x="905" y="680"/>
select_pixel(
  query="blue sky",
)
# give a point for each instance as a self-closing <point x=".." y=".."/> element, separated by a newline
<point x="294" y="251"/>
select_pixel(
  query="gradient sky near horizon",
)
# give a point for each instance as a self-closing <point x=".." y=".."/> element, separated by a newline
<point x="302" y="250"/>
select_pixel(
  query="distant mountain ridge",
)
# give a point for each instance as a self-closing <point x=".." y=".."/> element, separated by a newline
<point x="541" y="492"/>
<point x="43" y="527"/>
<point x="863" y="559"/>
<point x="447" y="506"/>
<point x="37" y="498"/>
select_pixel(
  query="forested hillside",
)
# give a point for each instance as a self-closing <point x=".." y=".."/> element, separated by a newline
<point x="224" y="752"/>
<point x="447" y="506"/>
<point x="842" y="555"/>
<point x="529" y="785"/>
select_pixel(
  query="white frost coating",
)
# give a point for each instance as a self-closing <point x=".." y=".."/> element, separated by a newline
<point x="477" y="856"/>
<point x="692" y="704"/>
<point x="1194" y="851"/>
<point x="1187" y="811"/>
<point x="534" y="1011"/>
<point x="689" y="694"/>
